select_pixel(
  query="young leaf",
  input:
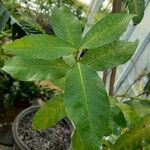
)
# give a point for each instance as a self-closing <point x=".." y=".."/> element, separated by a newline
<point x="137" y="7"/>
<point x="107" y="30"/>
<point x="49" y="114"/>
<point x="41" y="46"/>
<point x="87" y="104"/>
<point x="66" y="26"/>
<point x="35" y="69"/>
<point x="110" y="55"/>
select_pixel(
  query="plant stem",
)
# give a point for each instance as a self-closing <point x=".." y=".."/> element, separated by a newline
<point x="79" y="55"/>
<point x="116" y="8"/>
<point x="112" y="81"/>
<point x="105" y="75"/>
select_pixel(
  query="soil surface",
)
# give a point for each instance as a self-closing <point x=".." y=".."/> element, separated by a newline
<point x="56" y="138"/>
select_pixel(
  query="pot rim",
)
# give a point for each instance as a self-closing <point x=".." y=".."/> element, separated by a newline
<point x="16" y="124"/>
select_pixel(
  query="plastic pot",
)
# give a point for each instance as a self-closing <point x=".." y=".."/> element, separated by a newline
<point x="19" y="144"/>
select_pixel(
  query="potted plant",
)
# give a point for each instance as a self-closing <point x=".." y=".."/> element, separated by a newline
<point x="68" y="57"/>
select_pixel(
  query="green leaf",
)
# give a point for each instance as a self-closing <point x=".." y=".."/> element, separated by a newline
<point x="4" y="16"/>
<point x="35" y="69"/>
<point x="87" y="104"/>
<point x="41" y="46"/>
<point x="145" y="120"/>
<point x="141" y="107"/>
<point x="107" y="30"/>
<point x="49" y="114"/>
<point x="134" y="138"/>
<point x="70" y="60"/>
<point x="147" y="147"/>
<point x="2" y="9"/>
<point x="137" y="7"/>
<point x="130" y="115"/>
<point x="117" y="121"/>
<point x="110" y="55"/>
<point x="118" y="116"/>
<point x="66" y="26"/>
<point x="77" y="142"/>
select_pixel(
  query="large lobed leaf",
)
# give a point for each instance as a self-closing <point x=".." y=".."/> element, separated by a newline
<point x="35" y="69"/>
<point x="66" y="26"/>
<point x="41" y="46"/>
<point x="87" y="104"/>
<point x="49" y="114"/>
<point x="107" y="30"/>
<point x="137" y="7"/>
<point x="110" y="55"/>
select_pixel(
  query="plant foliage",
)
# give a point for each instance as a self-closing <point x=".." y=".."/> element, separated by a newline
<point x="67" y="56"/>
<point x="52" y="112"/>
<point x="137" y="7"/>
<point x="135" y="138"/>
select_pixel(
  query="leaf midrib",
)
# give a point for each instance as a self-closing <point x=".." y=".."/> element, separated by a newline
<point x="98" y="37"/>
<point x="47" y="47"/>
<point x="29" y="66"/>
<point x="85" y="96"/>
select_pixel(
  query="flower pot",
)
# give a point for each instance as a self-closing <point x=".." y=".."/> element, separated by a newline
<point x="57" y="137"/>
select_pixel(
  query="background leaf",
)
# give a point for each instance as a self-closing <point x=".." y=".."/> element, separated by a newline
<point x="137" y="7"/>
<point x="77" y="142"/>
<point x="49" y="114"/>
<point x="118" y="116"/>
<point x="87" y="106"/>
<point x="4" y="16"/>
<point x="41" y="46"/>
<point x="35" y="69"/>
<point x="134" y="138"/>
<point x="107" y="30"/>
<point x="141" y="107"/>
<point x="132" y="118"/>
<point x="110" y="55"/>
<point x="66" y="26"/>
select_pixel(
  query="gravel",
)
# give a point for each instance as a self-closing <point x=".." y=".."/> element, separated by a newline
<point x="57" y="137"/>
